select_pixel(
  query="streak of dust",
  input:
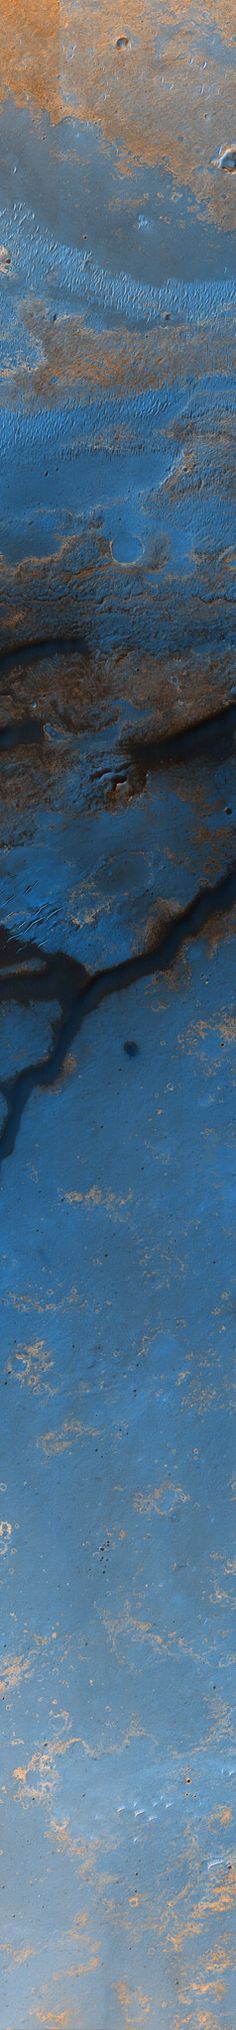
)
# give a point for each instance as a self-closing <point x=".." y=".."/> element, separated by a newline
<point x="13" y="1672"/>
<point x="198" y="1397"/>
<point x="80" y="1923"/>
<point x="216" y="1988"/>
<point x="135" y="2006"/>
<point x="206" y="2020"/>
<point x="146" y="1921"/>
<point x="43" y="1770"/>
<point x="28" y="1302"/>
<point x="15" y="1669"/>
<point x="42" y="1767"/>
<point x="94" y="1198"/>
<point x="214" y="852"/>
<point x="197" y="1032"/>
<point x="6" y="1529"/>
<point x="59" y="1832"/>
<point x="215" y="1904"/>
<point x="214" y="931"/>
<point x="157" y="924"/>
<point x="222" y="1957"/>
<point x="129" y="1626"/>
<point x="156" y="108"/>
<point x="74" y="354"/>
<point x="222" y="1814"/>
<point x="32" y="1364"/>
<point x="61" y="2021"/>
<point x="224" y="1895"/>
<point x="18" y="1956"/>
<point x="67" y="1070"/>
<point x="146" y="1504"/>
<point x="61" y="1441"/>
<point x="85" y="1967"/>
<point x="221" y="929"/>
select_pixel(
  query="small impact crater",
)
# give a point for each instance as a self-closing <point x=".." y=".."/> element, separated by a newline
<point x="123" y="42"/>
<point x="126" y="549"/>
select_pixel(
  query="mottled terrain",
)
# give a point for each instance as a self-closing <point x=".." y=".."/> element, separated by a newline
<point x="118" y="1021"/>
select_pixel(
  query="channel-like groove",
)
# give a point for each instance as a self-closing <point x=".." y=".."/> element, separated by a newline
<point x="27" y="973"/>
